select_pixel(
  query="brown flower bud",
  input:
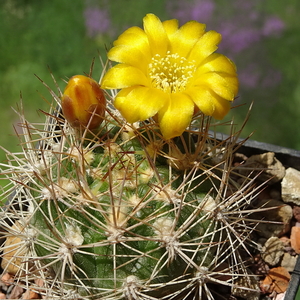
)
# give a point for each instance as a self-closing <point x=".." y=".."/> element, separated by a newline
<point x="83" y="102"/>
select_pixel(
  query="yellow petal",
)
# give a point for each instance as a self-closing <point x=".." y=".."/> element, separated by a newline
<point x="123" y="76"/>
<point x="222" y="107"/>
<point x="171" y="26"/>
<point x="216" y="63"/>
<point x="186" y="37"/>
<point x="157" y="36"/>
<point x="224" y="85"/>
<point x="129" y="55"/>
<point x="131" y="35"/>
<point x="139" y="103"/>
<point x="209" y="103"/>
<point x="176" y="116"/>
<point x="134" y="37"/>
<point x="203" y="98"/>
<point x="206" y="45"/>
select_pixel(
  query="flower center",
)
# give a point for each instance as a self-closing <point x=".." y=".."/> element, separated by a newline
<point x="171" y="73"/>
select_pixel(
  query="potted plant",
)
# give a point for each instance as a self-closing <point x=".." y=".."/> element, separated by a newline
<point x="129" y="193"/>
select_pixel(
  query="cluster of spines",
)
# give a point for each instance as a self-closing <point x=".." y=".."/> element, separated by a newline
<point x="59" y="180"/>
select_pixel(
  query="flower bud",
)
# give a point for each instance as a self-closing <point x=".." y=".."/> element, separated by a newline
<point x="83" y="102"/>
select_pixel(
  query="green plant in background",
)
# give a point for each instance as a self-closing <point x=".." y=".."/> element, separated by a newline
<point x="140" y="202"/>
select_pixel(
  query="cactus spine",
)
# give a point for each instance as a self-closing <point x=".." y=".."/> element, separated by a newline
<point x="152" y="208"/>
<point x="122" y="213"/>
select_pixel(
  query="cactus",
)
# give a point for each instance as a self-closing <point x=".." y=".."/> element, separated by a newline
<point x="105" y="209"/>
<point x="123" y="213"/>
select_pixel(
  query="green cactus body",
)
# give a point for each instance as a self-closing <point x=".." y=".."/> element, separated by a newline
<point x="110" y="218"/>
<point x="122" y="213"/>
<point x="100" y="208"/>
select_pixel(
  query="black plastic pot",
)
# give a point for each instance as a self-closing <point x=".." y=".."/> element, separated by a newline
<point x="288" y="157"/>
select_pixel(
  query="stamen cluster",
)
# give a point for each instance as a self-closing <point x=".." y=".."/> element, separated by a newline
<point x="171" y="73"/>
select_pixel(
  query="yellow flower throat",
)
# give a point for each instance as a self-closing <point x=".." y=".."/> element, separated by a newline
<point x="171" y="73"/>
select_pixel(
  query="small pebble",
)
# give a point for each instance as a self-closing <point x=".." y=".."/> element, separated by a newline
<point x="276" y="281"/>
<point x="16" y="292"/>
<point x="2" y="296"/>
<point x="295" y="238"/>
<point x="296" y="213"/>
<point x="280" y="296"/>
<point x="7" y="279"/>
<point x="29" y="294"/>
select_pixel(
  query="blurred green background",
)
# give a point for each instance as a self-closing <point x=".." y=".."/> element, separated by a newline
<point x="261" y="37"/>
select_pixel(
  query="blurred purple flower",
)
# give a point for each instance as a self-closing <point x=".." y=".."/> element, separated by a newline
<point x="199" y="10"/>
<point x="236" y="39"/>
<point x="97" y="21"/>
<point x="240" y="25"/>
<point x="273" y="26"/>
<point x="203" y="10"/>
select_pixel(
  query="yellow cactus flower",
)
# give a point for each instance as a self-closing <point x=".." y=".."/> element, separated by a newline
<point x="83" y="102"/>
<point x="171" y="72"/>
